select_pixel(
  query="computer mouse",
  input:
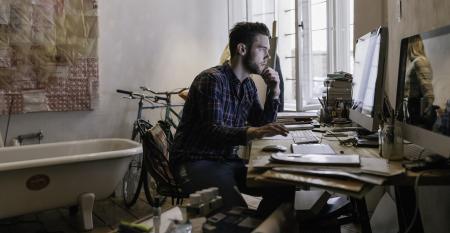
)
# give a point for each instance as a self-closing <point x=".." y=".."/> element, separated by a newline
<point x="274" y="148"/>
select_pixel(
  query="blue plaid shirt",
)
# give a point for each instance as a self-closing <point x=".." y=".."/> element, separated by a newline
<point x="215" y="116"/>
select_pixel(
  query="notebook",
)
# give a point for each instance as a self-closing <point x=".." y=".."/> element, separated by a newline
<point x="314" y="148"/>
<point x="317" y="159"/>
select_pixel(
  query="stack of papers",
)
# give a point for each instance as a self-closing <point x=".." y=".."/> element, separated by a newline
<point x="318" y="165"/>
<point x="321" y="159"/>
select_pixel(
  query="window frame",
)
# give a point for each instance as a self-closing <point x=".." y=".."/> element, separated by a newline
<point x="338" y="44"/>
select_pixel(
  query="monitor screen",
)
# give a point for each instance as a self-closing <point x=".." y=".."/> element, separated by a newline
<point x="423" y="96"/>
<point x="367" y="51"/>
<point x="368" y="77"/>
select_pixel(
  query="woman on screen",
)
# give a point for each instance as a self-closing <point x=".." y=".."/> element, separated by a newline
<point x="418" y="85"/>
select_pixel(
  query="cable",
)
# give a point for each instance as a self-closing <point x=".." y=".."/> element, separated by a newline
<point x="9" y="118"/>
<point x="347" y="142"/>
<point x="416" y="210"/>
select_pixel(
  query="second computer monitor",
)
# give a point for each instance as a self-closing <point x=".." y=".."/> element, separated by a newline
<point x="368" y="78"/>
<point x="423" y="96"/>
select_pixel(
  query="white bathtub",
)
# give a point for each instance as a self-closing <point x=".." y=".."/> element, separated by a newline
<point x="47" y="176"/>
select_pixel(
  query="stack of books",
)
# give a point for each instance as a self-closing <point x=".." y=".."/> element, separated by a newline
<point x="337" y="96"/>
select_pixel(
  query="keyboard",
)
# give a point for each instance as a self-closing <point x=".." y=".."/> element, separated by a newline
<point x="414" y="152"/>
<point x="303" y="136"/>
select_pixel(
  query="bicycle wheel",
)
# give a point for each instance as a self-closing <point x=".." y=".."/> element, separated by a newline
<point x="132" y="181"/>
<point x="150" y="190"/>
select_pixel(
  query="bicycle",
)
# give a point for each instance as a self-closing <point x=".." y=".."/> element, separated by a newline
<point x="137" y="176"/>
<point x="169" y="125"/>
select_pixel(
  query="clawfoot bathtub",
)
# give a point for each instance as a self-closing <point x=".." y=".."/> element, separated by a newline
<point x="47" y="176"/>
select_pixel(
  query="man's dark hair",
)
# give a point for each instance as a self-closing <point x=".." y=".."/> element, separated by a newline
<point x="245" y="32"/>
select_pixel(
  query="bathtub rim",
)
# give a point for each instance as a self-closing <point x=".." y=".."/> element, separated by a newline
<point x="87" y="157"/>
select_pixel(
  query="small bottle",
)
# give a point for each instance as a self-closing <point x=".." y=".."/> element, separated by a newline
<point x="156" y="214"/>
<point x="216" y="201"/>
<point x="195" y="207"/>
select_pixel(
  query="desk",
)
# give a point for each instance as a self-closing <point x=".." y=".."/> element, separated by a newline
<point x="403" y="183"/>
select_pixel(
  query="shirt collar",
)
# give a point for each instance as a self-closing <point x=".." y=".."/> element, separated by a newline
<point x="234" y="80"/>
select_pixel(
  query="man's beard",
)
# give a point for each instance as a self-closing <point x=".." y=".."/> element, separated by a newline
<point x="251" y="67"/>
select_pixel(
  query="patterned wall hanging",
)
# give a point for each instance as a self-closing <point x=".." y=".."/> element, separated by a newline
<point x="48" y="55"/>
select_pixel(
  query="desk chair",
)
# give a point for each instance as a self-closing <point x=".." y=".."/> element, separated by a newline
<point x="156" y="161"/>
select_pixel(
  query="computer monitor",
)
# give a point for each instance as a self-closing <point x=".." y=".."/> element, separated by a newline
<point x="368" y="78"/>
<point x="423" y="90"/>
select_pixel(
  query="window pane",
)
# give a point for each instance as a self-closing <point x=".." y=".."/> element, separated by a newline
<point x="319" y="16"/>
<point x="351" y="37"/>
<point x="286" y="50"/>
<point x="263" y="12"/>
<point x="351" y="11"/>
<point x="315" y="54"/>
<point x="315" y="2"/>
<point x="352" y="59"/>
<point x="319" y="40"/>
<point x="261" y="6"/>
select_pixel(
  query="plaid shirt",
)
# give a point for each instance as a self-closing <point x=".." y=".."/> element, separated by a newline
<point x="215" y="116"/>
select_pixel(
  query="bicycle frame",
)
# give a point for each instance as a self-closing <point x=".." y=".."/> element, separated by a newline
<point x="168" y="119"/>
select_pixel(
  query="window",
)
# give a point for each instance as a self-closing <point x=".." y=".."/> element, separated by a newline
<point x="315" y="37"/>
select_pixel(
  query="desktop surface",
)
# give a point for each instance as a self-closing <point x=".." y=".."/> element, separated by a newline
<point x="261" y="173"/>
<point x="259" y="160"/>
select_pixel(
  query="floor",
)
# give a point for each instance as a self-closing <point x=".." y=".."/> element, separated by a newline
<point x="107" y="216"/>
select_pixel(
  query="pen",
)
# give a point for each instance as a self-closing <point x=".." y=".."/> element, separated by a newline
<point x="321" y="102"/>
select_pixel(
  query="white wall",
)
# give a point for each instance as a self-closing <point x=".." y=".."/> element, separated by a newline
<point x="161" y="44"/>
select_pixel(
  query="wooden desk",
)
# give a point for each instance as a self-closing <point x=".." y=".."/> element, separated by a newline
<point x="256" y="155"/>
<point x="403" y="183"/>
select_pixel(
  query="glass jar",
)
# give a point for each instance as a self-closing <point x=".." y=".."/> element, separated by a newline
<point x="391" y="142"/>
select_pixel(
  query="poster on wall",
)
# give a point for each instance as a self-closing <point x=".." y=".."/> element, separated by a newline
<point x="48" y="55"/>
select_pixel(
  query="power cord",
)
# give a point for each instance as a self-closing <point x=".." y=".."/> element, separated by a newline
<point x="347" y="142"/>
<point x="416" y="209"/>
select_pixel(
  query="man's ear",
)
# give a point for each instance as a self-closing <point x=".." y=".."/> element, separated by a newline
<point x="241" y="49"/>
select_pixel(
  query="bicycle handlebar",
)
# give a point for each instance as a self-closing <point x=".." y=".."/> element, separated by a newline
<point x="124" y="92"/>
<point x="164" y="92"/>
<point x="134" y="95"/>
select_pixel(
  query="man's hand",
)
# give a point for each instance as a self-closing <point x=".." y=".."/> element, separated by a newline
<point x="268" y="130"/>
<point x="272" y="80"/>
